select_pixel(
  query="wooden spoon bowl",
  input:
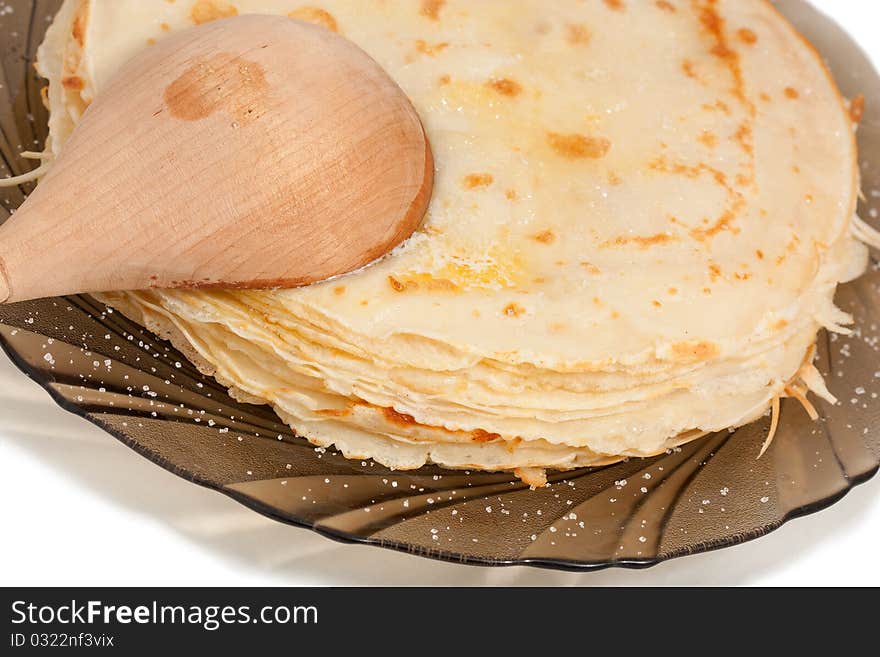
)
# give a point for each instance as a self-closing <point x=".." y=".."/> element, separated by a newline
<point x="253" y="151"/>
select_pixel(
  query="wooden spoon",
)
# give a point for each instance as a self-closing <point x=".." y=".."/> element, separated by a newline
<point x="253" y="151"/>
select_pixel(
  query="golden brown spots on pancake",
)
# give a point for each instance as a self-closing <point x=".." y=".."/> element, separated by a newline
<point x="201" y="89"/>
<point x="514" y="310"/>
<point x="765" y="97"/>
<point x="73" y="82"/>
<point x="672" y="291"/>
<point x="656" y="304"/>
<point x="339" y="290"/>
<point x="477" y="180"/>
<point x="857" y="109"/>
<point x="151" y="41"/>
<point x="616" y="5"/>
<point x="505" y="86"/>
<point x="511" y="194"/>
<point x="500" y="268"/>
<point x="315" y="16"/>
<point x="760" y="254"/>
<point x="483" y="436"/>
<point x="736" y="201"/>
<point x="165" y="27"/>
<point x="707" y="290"/>
<point x="718" y="106"/>
<point x="662" y="165"/>
<point x="701" y="350"/>
<point x="591" y="268"/>
<point x="365" y="302"/>
<point x="688" y="67"/>
<point x="723" y="223"/>
<point x="597" y="301"/>
<point x="577" y="34"/>
<point x="396" y="285"/>
<point x="642" y="241"/>
<point x="401" y="419"/>
<point x="545" y="237"/>
<point x="714" y="26"/>
<point x="415" y="282"/>
<point x="796" y="169"/>
<point x="334" y="412"/>
<point x="431" y="8"/>
<point x="780" y="324"/>
<point x="615" y="314"/>
<point x="614" y="179"/>
<point x="792" y="93"/>
<point x="576" y="146"/>
<point x="511" y="444"/>
<point x="743" y="137"/>
<point x="79" y="25"/>
<point x="665" y="6"/>
<point x="714" y="272"/>
<point x="747" y="36"/>
<point x="708" y="139"/>
<point x="430" y="49"/>
<point x="443" y="80"/>
<point x="204" y="11"/>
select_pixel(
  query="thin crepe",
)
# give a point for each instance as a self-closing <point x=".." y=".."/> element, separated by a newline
<point x="641" y="213"/>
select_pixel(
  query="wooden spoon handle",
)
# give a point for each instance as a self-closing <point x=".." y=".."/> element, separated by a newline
<point x="26" y="270"/>
<point x="8" y="256"/>
<point x="40" y="257"/>
<point x="4" y="283"/>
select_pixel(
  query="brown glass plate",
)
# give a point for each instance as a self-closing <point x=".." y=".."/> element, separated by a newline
<point x="708" y="494"/>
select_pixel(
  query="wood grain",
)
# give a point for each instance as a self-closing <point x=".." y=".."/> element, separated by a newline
<point x="253" y="151"/>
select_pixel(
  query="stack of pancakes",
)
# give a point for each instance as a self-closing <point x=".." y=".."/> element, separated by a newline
<point x="641" y="213"/>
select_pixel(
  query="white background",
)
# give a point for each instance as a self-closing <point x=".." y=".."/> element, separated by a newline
<point x="78" y="508"/>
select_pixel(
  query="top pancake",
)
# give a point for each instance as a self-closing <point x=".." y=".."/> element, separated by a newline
<point x="628" y="171"/>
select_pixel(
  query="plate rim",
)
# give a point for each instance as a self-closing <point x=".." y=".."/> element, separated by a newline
<point x="44" y="381"/>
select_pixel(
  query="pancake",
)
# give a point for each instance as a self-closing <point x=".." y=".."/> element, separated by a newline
<point x="641" y="213"/>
